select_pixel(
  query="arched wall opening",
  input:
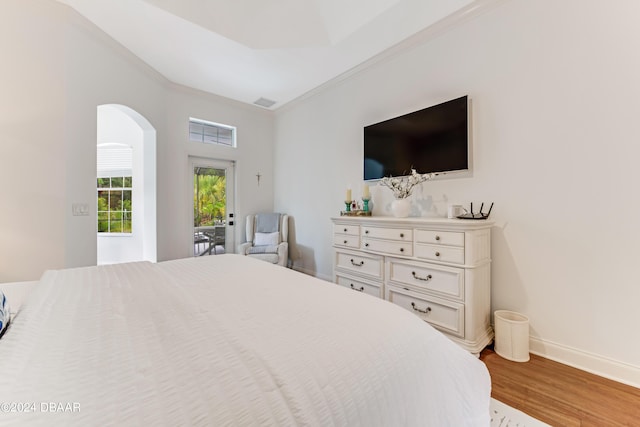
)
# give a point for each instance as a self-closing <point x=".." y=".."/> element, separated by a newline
<point x="119" y="126"/>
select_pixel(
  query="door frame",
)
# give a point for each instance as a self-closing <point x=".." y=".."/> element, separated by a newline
<point x="229" y="166"/>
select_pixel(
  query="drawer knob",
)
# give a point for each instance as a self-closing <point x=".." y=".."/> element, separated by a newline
<point x="437" y="237"/>
<point x="366" y="245"/>
<point x="345" y="230"/>
<point x="401" y="234"/>
<point x="366" y="231"/>
<point x="425" y="279"/>
<point x="401" y="249"/>
<point x="356" y="289"/>
<point x="437" y="253"/>
<point x="357" y="264"/>
<point x="345" y="242"/>
<point x="425" y="311"/>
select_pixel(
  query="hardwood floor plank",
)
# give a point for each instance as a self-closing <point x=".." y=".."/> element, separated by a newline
<point x="561" y="395"/>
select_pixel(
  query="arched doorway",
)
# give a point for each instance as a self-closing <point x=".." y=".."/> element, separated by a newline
<point x="126" y="186"/>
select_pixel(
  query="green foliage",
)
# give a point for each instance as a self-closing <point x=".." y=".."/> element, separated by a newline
<point x="209" y="198"/>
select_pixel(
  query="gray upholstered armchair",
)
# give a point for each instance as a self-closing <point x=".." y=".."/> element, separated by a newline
<point x="267" y="237"/>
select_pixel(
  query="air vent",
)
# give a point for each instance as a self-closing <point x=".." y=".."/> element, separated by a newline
<point x="264" y="102"/>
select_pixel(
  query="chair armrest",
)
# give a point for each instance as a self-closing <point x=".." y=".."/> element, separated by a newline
<point x="283" y="253"/>
<point x="244" y="247"/>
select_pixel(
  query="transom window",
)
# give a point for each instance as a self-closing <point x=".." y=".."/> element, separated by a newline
<point x="211" y="133"/>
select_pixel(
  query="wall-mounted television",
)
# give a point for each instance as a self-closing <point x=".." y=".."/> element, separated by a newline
<point x="431" y="140"/>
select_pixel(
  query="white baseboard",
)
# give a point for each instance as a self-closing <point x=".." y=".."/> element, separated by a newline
<point x="593" y="363"/>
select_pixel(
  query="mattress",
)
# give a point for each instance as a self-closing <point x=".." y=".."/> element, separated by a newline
<point x="227" y="341"/>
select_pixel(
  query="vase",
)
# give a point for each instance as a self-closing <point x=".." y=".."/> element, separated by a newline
<point x="400" y="208"/>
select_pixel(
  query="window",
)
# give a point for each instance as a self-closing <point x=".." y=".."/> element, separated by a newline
<point x="114" y="204"/>
<point x="115" y="184"/>
<point x="211" y="133"/>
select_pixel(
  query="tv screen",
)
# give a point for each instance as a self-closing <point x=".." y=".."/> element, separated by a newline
<point x="432" y="140"/>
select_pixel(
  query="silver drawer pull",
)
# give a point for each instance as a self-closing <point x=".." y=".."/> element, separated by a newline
<point x="425" y="311"/>
<point x="357" y="264"/>
<point x="356" y="289"/>
<point x="415" y="276"/>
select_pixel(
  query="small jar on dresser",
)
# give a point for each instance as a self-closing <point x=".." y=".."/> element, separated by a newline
<point x="437" y="268"/>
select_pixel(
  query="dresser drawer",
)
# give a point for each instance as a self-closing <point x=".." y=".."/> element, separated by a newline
<point x="446" y="281"/>
<point x="444" y="315"/>
<point x="388" y="247"/>
<point x="448" y="238"/>
<point x="346" y="240"/>
<point x="360" y="286"/>
<point x="440" y="253"/>
<point x="352" y="230"/>
<point x="365" y="264"/>
<point x="402" y="234"/>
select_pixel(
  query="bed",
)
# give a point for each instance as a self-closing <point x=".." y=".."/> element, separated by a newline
<point x="227" y="341"/>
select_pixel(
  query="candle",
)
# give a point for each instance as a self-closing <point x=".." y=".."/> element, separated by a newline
<point x="348" y="198"/>
<point x="365" y="192"/>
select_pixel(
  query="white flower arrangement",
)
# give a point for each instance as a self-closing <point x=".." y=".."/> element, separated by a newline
<point x="402" y="186"/>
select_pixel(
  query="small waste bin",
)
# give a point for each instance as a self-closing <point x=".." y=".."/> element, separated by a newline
<point x="512" y="335"/>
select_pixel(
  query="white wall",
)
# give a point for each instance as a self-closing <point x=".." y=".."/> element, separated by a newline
<point x="556" y="95"/>
<point x="57" y="68"/>
<point x="32" y="213"/>
<point x="254" y="154"/>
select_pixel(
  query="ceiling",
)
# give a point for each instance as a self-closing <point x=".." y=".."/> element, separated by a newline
<point x="273" y="49"/>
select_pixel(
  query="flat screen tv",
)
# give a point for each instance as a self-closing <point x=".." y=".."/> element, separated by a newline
<point x="432" y="140"/>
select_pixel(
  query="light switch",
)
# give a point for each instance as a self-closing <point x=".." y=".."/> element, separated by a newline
<point x="80" y="209"/>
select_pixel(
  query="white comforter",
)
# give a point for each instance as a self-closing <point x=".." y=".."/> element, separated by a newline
<point x="227" y="341"/>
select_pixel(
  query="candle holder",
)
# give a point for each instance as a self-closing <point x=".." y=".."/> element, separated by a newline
<point x="365" y="204"/>
<point x="347" y="204"/>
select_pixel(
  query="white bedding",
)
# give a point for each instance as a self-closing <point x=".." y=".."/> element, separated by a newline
<point x="228" y="341"/>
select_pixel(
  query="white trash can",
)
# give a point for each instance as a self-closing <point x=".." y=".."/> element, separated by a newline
<point x="512" y="335"/>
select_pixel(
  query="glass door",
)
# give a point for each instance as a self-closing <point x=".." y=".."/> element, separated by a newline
<point x="213" y="189"/>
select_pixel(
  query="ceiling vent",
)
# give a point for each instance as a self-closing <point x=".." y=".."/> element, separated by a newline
<point x="264" y="102"/>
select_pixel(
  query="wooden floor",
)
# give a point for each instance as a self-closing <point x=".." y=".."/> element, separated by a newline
<point x="561" y="395"/>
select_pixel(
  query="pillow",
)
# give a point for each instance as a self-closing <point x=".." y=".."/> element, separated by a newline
<point x="5" y="314"/>
<point x="266" y="239"/>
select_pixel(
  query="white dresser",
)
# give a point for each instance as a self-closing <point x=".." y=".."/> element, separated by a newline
<point x="437" y="268"/>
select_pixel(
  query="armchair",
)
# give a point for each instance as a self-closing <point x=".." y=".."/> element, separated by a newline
<point x="267" y="237"/>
